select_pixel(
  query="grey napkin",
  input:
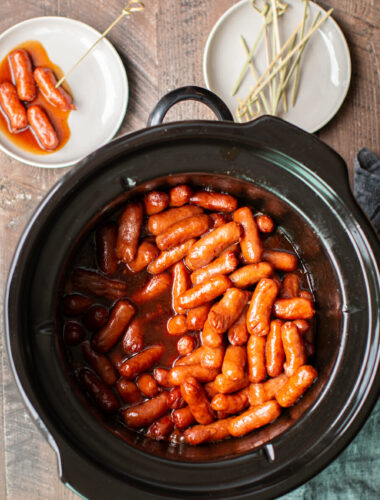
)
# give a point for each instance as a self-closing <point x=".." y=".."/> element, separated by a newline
<point x="367" y="184"/>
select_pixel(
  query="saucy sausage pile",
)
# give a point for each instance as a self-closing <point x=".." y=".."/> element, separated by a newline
<point x="190" y="322"/>
<point x="18" y="99"/>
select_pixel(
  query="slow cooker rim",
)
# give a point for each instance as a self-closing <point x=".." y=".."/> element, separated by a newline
<point x="51" y="194"/>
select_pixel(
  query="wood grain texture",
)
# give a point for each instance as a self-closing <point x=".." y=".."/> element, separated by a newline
<point x="162" y="49"/>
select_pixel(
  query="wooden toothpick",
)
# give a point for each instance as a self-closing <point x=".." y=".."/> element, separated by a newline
<point x="130" y="8"/>
<point x="260" y="84"/>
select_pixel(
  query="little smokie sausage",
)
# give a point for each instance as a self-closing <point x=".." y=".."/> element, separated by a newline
<point x="75" y="304"/>
<point x="119" y="318"/>
<point x="224" y="314"/>
<point x="105" y="244"/>
<point x="155" y="202"/>
<point x="255" y="417"/>
<point x="177" y="325"/>
<point x="249" y="275"/>
<point x="195" y="396"/>
<point x="170" y="257"/>
<point x="265" y="223"/>
<point x="305" y="294"/>
<point x="297" y="384"/>
<point x="183" y="417"/>
<point x="100" y="364"/>
<point x="224" y="264"/>
<point x="73" y="333"/>
<point x="21" y="67"/>
<point x="218" y="219"/>
<point x="145" y="254"/>
<point x="158" y="223"/>
<point x="91" y="282"/>
<point x="210" y="389"/>
<point x="162" y="377"/>
<point x="46" y="82"/>
<point x="185" y="345"/>
<point x="141" y="362"/>
<point x="193" y="358"/>
<point x="206" y="291"/>
<point x="294" y="348"/>
<point x="175" y="399"/>
<point x="234" y="362"/>
<point x="283" y="261"/>
<point x="265" y="391"/>
<point x="129" y="232"/>
<point x="218" y="202"/>
<point x="260" y="308"/>
<point x="116" y="356"/>
<point x="95" y="318"/>
<point x="227" y="386"/>
<point x="296" y="308"/>
<point x="231" y="403"/>
<point x="99" y="392"/>
<point x="208" y="433"/>
<point x="133" y="338"/>
<point x="147" y="385"/>
<point x="197" y="316"/>
<point x="182" y="231"/>
<point x="290" y="286"/>
<point x="180" y="195"/>
<point x="274" y="350"/>
<point x="144" y="414"/>
<point x="161" y="428"/>
<point x="212" y="357"/>
<point x="302" y="325"/>
<point x="42" y="127"/>
<point x="156" y="286"/>
<point x="212" y="244"/>
<point x="238" y="333"/>
<point x="256" y="358"/>
<point x="181" y="282"/>
<point x="128" y="391"/>
<point x="250" y="242"/>
<point x="178" y="374"/>
<point x="210" y="337"/>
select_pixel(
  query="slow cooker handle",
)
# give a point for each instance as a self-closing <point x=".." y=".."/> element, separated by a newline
<point x="193" y="93"/>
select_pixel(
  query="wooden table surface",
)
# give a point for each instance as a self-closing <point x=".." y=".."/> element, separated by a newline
<point x="162" y="49"/>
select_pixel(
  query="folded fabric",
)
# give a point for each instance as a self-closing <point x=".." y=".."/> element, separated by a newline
<point x="367" y="184"/>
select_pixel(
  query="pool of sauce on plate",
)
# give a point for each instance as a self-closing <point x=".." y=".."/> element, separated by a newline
<point x="25" y="139"/>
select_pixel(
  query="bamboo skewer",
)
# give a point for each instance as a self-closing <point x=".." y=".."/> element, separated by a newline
<point x="130" y="8"/>
<point x="251" y="52"/>
<point x="296" y="78"/>
<point x="284" y="47"/>
<point x="296" y="61"/>
<point x="260" y="83"/>
<point x="276" y="46"/>
<point x="267" y="51"/>
<point x="283" y="76"/>
<point x="274" y="55"/>
<point x="253" y="71"/>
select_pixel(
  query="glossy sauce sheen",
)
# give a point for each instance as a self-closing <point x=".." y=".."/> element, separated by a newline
<point x="26" y="140"/>
<point x="160" y="310"/>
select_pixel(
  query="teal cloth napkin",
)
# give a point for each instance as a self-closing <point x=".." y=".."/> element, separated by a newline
<point x="355" y="474"/>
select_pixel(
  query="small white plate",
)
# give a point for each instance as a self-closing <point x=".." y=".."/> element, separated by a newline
<point x="325" y="65"/>
<point x="99" y="86"/>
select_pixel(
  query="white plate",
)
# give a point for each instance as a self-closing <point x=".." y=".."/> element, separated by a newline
<point x="325" y="66"/>
<point x="99" y="86"/>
